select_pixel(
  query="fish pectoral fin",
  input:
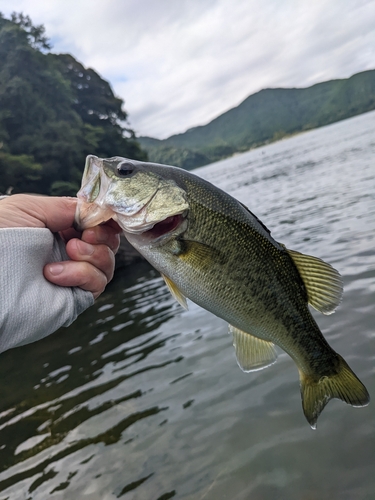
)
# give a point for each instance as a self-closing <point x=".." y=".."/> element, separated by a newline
<point x="344" y="385"/>
<point x="252" y="353"/>
<point x="323" y="283"/>
<point x="200" y="254"/>
<point x="175" y="291"/>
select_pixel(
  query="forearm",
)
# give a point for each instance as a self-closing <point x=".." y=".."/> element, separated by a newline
<point x="32" y="307"/>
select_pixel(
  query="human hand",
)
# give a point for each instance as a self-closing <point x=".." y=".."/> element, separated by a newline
<point x="92" y="252"/>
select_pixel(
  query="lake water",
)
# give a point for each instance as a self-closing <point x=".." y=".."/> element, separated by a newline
<point x="142" y="400"/>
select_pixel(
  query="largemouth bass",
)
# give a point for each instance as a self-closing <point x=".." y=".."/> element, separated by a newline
<point x="213" y="250"/>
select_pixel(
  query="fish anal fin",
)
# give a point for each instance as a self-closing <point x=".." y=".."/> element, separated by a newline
<point x="252" y="353"/>
<point x="323" y="283"/>
<point x="343" y="385"/>
<point x="175" y="291"/>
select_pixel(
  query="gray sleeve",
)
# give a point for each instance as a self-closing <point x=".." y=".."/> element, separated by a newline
<point x="31" y="307"/>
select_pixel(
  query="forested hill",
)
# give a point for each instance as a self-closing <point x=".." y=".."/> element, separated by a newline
<point x="53" y="112"/>
<point x="266" y="116"/>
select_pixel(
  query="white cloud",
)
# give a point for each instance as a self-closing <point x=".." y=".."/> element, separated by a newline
<point x="180" y="64"/>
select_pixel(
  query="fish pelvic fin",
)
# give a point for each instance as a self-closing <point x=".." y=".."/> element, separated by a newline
<point x="343" y="385"/>
<point x="175" y="291"/>
<point x="252" y="353"/>
<point x="323" y="283"/>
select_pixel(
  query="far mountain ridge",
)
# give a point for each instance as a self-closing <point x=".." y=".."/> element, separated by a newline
<point x="265" y="116"/>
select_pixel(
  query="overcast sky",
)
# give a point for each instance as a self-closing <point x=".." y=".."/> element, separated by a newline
<point x="181" y="63"/>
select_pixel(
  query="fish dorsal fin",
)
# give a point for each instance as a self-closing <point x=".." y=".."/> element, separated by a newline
<point x="255" y="217"/>
<point x="175" y="291"/>
<point x="323" y="283"/>
<point x="252" y="353"/>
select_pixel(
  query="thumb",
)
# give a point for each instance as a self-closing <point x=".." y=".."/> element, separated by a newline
<point x="52" y="212"/>
<point x="56" y="213"/>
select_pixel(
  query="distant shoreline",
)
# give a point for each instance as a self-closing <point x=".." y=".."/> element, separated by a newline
<point x="264" y="117"/>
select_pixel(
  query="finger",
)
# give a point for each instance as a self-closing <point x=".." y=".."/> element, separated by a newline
<point x="100" y="256"/>
<point x="103" y="234"/>
<point x="22" y="210"/>
<point x="70" y="233"/>
<point x="81" y="274"/>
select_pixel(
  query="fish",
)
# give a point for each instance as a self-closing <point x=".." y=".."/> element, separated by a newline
<point x="211" y="249"/>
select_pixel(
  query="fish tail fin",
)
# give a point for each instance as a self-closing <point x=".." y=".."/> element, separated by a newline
<point x="343" y="385"/>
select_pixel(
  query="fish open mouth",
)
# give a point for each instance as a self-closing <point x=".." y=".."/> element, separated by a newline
<point x="165" y="226"/>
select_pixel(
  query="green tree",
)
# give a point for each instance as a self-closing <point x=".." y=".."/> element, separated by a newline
<point x="20" y="171"/>
<point x="35" y="34"/>
<point x="96" y="104"/>
<point x="53" y="112"/>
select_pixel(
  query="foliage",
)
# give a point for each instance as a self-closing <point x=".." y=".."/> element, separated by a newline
<point x="35" y="34"/>
<point x="179" y="157"/>
<point x="53" y="112"/>
<point x="270" y="115"/>
<point x="20" y="171"/>
<point x="64" y="188"/>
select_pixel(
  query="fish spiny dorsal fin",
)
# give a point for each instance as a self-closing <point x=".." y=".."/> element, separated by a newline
<point x="175" y="291"/>
<point x="252" y="353"/>
<point x="323" y="283"/>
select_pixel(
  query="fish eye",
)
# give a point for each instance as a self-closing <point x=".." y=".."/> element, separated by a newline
<point x="125" y="168"/>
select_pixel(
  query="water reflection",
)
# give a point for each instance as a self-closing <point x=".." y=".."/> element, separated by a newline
<point x="71" y="378"/>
